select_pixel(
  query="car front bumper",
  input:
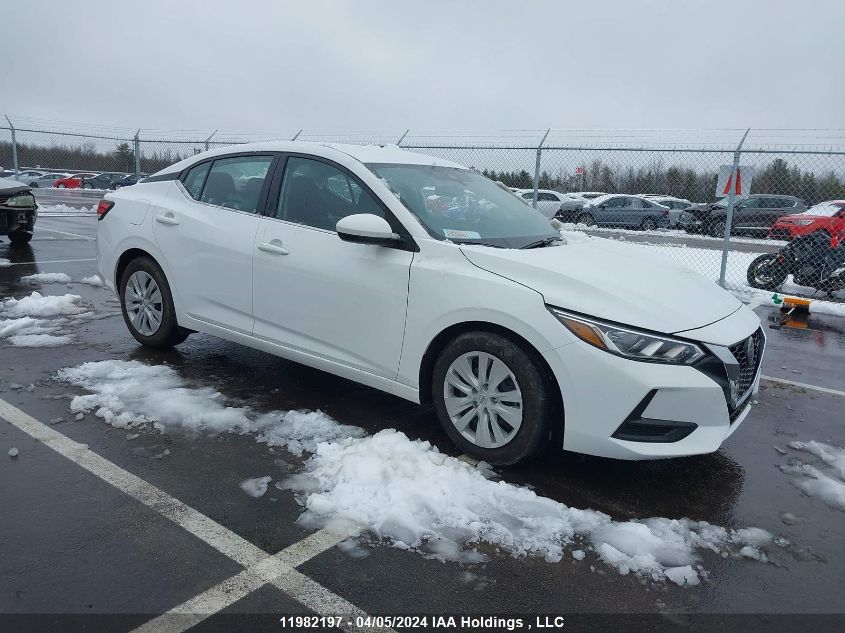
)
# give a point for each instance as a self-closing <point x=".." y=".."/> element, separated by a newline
<point x="624" y="409"/>
<point x="16" y="219"/>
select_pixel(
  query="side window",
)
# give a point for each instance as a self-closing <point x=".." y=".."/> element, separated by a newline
<point x="317" y="194"/>
<point x="195" y="179"/>
<point x="530" y="195"/>
<point x="236" y="182"/>
<point x="644" y="204"/>
<point x="619" y="203"/>
<point x="547" y="197"/>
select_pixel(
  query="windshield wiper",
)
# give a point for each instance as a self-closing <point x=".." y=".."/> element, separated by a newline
<point x="544" y="242"/>
<point x="474" y="243"/>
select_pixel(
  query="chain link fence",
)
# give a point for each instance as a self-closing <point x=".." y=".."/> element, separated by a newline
<point x="651" y="188"/>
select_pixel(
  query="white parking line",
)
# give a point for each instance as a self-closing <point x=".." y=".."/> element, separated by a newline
<point x="261" y="568"/>
<point x="83" y="237"/>
<point x="803" y="385"/>
<point x="50" y="261"/>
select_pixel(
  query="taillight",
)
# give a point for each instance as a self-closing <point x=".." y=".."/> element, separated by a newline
<point x="666" y="213"/>
<point x="104" y="207"/>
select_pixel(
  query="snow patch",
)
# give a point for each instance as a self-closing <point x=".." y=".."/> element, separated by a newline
<point x="255" y="487"/>
<point x="38" y="305"/>
<point x="93" y="280"/>
<point x="406" y="491"/>
<point x="51" y="210"/>
<point x="829" y="486"/>
<point x="38" y="340"/>
<point x="127" y="394"/>
<point x="4" y="263"/>
<point x="48" y="278"/>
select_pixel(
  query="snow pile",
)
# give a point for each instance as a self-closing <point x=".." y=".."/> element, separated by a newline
<point x="29" y="332"/>
<point x="129" y="393"/>
<point x="574" y="237"/>
<point x="93" y="280"/>
<point x="48" y="278"/>
<point x="828" y="486"/>
<point x="255" y="487"/>
<point x="38" y="305"/>
<point x="50" y="210"/>
<point x="4" y="263"/>
<point x="420" y="499"/>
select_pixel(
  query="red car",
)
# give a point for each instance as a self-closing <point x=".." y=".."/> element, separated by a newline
<point x="74" y="181"/>
<point x="825" y="216"/>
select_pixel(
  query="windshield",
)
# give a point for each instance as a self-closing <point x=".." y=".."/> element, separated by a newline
<point x="826" y="209"/>
<point x="463" y="206"/>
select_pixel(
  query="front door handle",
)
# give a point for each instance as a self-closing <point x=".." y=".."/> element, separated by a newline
<point x="167" y="218"/>
<point x="273" y="247"/>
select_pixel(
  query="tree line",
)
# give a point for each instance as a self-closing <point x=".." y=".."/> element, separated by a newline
<point x="682" y="182"/>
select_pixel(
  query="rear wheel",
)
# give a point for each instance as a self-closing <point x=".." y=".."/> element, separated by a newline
<point x="147" y="305"/>
<point x="34" y="185"/>
<point x="765" y="272"/>
<point x="493" y="399"/>
<point x="648" y="224"/>
<point x="60" y="186"/>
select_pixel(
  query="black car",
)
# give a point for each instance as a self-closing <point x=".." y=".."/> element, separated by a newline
<point x="106" y="180"/>
<point x="129" y="179"/>
<point x="753" y="215"/>
<point x="18" y="211"/>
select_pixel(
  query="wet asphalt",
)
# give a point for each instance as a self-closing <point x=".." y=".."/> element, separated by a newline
<point x="72" y="544"/>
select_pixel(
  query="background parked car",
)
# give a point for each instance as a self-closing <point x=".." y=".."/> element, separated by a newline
<point x="105" y="180"/>
<point x="675" y="205"/>
<point x="45" y="180"/>
<point x="753" y="215"/>
<point x="74" y="181"/>
<point x="589" y="195"/>
<point x="25" y="176"/>
<point x="825" y="216"/>
<point x="553" y="203"/>
<point x="18" y="211"/>
<point x="625" y="211"/>
<point x="129" y="179"/>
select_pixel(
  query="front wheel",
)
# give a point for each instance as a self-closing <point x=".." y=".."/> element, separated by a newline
<point x="716" y="228"/>
<point x="493" y="398"/>
<point x="20" y="237"/>
<point x="60" y="186"/>
<point x="586" y="219"/>
<point x="765" y="272"/>
<point x="147" y="305"/>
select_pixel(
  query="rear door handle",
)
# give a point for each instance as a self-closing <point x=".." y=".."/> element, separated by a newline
<point x="273" y="247"/>
<point x="167" y="218"/>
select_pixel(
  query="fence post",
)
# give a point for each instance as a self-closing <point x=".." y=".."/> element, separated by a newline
<point x="537" y="167"/>
<point x="726" y="245"/>
<point x="208" y="140"/>
<point x="137" y="155"/>
<point x="14" y="146"/>
<point x="402" y="138"/>
<point x="296" y="136"/>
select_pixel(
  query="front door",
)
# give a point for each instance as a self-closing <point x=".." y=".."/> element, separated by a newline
<point x="317" y="294"/>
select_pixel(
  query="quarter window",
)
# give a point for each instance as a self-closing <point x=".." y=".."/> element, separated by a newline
<point x="236" y="182"/>
<point x="317" y="194"/>
<point x="195" y="179"/>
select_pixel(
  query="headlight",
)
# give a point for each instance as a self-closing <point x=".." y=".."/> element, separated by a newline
<point x="803" y="222"/>
<point x="21" y="200"/>
<point x="628" y="342"/>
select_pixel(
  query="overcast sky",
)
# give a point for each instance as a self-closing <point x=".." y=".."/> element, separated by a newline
<point x="462" y="65"/>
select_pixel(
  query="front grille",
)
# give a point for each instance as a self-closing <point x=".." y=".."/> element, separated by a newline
<point x="748" y="353"/>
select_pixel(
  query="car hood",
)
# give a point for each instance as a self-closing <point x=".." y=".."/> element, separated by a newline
<point x="613" y="281"/>
<point x="7" y="185"/>
<point x="801" y="216"/>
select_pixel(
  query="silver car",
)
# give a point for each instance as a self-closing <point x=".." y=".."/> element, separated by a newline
<point x="620" y="210"/>
<point x="676" y="206"/>
<point x="553" y="204"/>
<point x="45" y="180"/>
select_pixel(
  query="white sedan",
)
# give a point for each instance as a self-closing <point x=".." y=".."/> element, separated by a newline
<point x="45" y="180"/>
<point x="426" y="280"/>
<point x="552" y="203"/>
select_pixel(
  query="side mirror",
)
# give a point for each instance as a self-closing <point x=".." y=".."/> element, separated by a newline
<point x="366" y="228"/>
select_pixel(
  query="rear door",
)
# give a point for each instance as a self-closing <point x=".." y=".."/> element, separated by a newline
<point x="616" y="211"/>
<point x="207" y="237"/>
<point x="317" y="294"/>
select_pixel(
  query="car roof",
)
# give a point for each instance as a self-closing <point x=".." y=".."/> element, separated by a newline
<point x="367" y="154"/>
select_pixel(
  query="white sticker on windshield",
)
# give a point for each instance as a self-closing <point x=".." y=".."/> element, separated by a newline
<point x="461" y="235"/>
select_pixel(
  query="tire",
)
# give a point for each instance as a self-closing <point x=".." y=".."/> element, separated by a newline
<point x="648" y="224"/>
<point x="145" y="276"/>
<point x="60" y="186"/>
<point x="20" y="237"/>
<point x="498" y="442"/>
<point x="716" y="228"/>
<point x="34" y="185"/>
<point x="769" y="277"/>
<point x="585" y="218"/>
<point x="87" y="186"/>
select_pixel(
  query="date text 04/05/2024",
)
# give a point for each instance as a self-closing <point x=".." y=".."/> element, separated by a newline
<point x="422" y="621"/>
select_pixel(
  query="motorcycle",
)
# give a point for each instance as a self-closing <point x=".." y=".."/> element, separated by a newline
<point x="814" y="260"/>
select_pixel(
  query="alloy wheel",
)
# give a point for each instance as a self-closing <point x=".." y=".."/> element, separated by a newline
<point x="483" y="399"/>
<point x="143" y="302"/>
